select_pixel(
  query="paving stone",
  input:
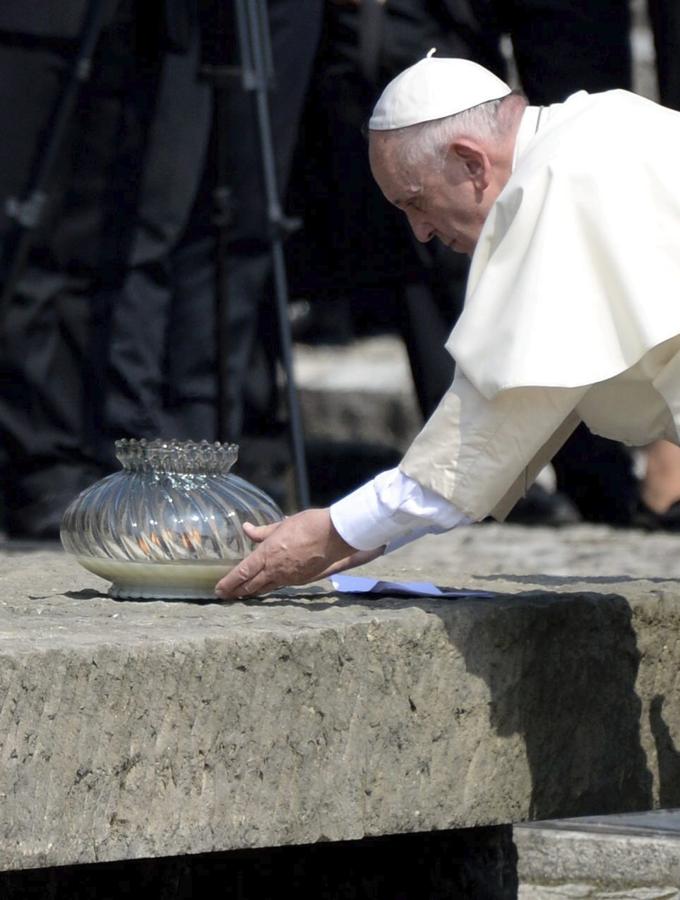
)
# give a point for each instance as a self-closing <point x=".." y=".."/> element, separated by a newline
<point x="633" y="857"/>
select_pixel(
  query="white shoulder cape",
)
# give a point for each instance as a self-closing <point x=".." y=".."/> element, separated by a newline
<point x="577" y="271"/>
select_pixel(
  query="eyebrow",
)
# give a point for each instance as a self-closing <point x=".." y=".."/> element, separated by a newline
<point x="402" y="201"/>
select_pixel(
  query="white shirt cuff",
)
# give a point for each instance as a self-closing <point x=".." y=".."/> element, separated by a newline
<point x="392" y="510"/>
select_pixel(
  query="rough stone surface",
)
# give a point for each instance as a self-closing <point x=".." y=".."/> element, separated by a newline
<point x="566" y="861"/>
<point x="155" y="728"/>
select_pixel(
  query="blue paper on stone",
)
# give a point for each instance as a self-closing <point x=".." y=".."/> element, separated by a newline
<point x="356" y="584"/>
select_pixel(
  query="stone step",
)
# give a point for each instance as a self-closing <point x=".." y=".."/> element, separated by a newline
<point x="149" y="729"/>
<point x="361" y="392"/>
<point x="630" y="857"/>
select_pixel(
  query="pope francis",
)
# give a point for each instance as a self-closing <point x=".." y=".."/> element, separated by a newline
<point x="571" y="214"/>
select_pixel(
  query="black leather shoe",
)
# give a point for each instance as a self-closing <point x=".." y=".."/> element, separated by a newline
<point x="539" y="507"/>
<point x="648" y="520"/>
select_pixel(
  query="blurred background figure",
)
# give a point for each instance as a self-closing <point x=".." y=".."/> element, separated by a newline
<point x="110" y="331"/>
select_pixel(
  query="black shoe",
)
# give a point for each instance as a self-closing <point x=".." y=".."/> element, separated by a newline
<point x="648" y="520"/>
<point x="539" y="507"/>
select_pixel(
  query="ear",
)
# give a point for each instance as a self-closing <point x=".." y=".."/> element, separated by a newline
<point x="475" y="160"/>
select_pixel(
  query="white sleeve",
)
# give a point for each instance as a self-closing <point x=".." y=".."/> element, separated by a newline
<point x="483" y="454"/>
<point x="392" y="510"/>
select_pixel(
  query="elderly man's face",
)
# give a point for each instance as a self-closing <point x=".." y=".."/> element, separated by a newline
<point x="449" y="202"/>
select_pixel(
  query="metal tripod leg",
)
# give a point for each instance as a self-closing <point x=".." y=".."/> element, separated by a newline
<point x="256" y="60"/>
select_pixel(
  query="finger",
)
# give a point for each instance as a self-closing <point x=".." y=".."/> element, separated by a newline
<point x="241" y="574"/>
<point x="259" y="584"/>
<point x="259" y="533"/>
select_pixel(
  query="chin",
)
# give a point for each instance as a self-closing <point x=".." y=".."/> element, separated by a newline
<point x="467" y="247"/>
<point x="453" y="244"/>
<point x="460" y="246"/>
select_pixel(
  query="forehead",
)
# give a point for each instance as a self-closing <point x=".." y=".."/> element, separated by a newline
<point x="380" y="149"/>
<point x="389" y="170"/>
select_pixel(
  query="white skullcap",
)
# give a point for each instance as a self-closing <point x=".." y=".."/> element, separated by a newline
<point x="433" y="88"/>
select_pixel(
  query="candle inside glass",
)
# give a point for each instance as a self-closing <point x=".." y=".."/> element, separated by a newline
<point x="188" y="580"/>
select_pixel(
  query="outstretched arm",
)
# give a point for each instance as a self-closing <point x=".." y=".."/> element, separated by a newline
<point x="384" y="513"/>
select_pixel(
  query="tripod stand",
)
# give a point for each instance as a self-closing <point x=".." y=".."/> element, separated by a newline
<point x="245" y="23"/>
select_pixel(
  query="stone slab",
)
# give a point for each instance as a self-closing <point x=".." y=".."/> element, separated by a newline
<point x="145" y="729"/>
<point x="632" y="857"/>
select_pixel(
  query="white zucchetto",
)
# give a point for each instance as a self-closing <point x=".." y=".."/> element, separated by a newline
<point x="433" y="88"/>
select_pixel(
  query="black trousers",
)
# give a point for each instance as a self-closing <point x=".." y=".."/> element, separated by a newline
<point x="86" y="337"/>
<point x="665" y="20"/>
<point x="562" y="46"/>
<point x="111" y="331"/>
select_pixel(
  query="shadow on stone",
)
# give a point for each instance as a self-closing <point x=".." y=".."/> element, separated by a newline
<point x="668" y="756"/>
<point x="87" y="594"/>
<point x="561" y="673"/>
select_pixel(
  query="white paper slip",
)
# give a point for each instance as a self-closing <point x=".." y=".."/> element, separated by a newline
<point x="356" y="584"/>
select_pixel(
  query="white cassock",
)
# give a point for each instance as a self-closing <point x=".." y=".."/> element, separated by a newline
<point x="572" y="313"/>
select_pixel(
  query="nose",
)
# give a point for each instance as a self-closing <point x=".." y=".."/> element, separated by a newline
<point x="422" y="229"/>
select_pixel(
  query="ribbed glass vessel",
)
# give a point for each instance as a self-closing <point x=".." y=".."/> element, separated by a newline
<point x="170" y="523"/>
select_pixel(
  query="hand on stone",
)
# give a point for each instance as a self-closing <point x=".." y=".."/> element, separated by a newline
<point x="297" y="550"/>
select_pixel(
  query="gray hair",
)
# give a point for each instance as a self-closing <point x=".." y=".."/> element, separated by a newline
<point x="429" y="141"/>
